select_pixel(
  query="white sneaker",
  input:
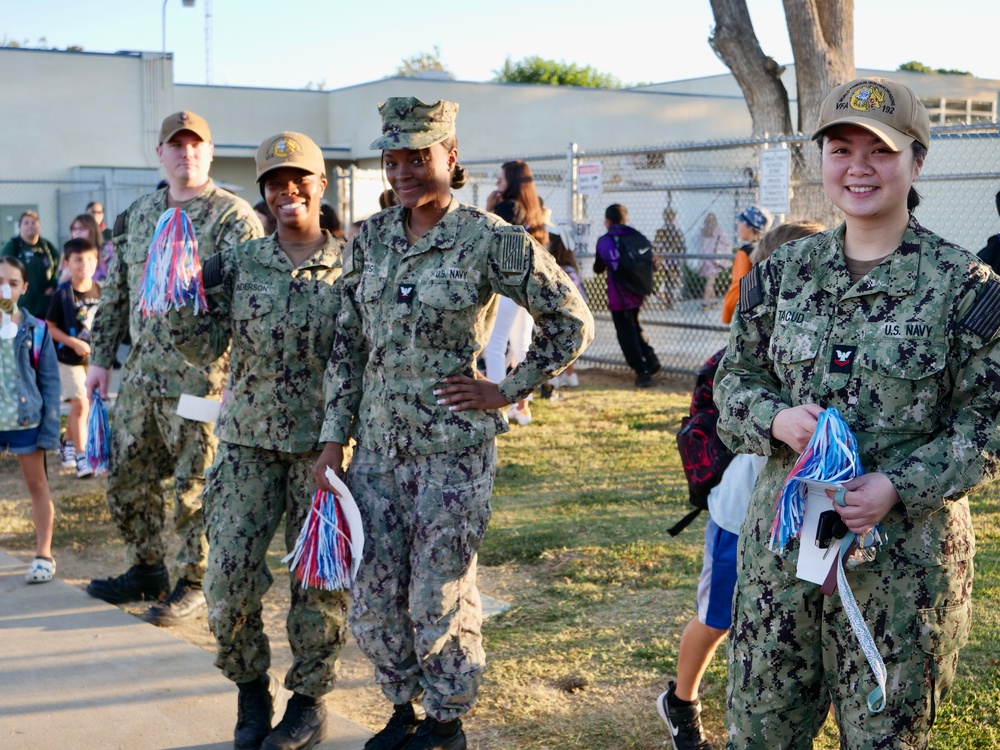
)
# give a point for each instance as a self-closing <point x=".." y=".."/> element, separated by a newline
<point x="570" y="380"/>
<point x="68" y="454"/>
<point x="41" y="571"/>
<point x="521" y="416"/>
<point x="83" y="469"/>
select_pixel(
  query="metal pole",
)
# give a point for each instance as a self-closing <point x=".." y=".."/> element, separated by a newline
<point x="163" y="26"/>
<point x="208" y="41"/>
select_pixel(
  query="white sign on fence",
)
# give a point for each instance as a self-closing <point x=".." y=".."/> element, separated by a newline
<point x="588" y="178"/>
<point x="774" y="180"/>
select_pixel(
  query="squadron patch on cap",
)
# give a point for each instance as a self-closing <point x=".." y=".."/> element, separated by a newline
<point x="983" y="319"/>
<point x="869" y="96"/>
<point x="285" y="147"/>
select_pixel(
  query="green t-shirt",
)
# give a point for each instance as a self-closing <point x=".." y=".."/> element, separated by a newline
<point x="8" y="386"/>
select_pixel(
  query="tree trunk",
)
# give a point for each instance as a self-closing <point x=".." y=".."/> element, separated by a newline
<point x="758" y="75"/>
<point x="822" y="37"/>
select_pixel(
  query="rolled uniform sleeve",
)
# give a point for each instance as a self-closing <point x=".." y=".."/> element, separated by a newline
<point x="523" y="270"/>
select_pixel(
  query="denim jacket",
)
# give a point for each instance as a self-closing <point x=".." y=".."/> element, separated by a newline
<point x="37" y="391"/>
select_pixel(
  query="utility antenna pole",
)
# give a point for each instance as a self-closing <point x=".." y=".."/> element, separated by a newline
<point x="208" y="42"/>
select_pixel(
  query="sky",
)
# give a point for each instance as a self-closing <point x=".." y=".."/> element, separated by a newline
<point x="337" y="43"/>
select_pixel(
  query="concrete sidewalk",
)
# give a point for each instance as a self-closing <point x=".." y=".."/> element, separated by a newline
<point x="76" y="673"/>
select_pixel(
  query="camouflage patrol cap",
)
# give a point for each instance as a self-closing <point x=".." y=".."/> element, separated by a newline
<point x="888" y="109"/>
<point x="288" y="149"/>
<point x="408" y="123"/>
<point x="184" y="120"/>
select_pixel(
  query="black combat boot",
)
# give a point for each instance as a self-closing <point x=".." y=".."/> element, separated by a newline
<point x="255" y="709"/>
<point x="438" y="735"/>
<point x="402" y="724"/>
<point x="186" y="601"/>
<point x="138" y="582"/>
<point x="302" y="727"/>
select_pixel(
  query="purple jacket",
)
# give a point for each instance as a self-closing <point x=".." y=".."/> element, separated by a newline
<point x="607" y="258"/>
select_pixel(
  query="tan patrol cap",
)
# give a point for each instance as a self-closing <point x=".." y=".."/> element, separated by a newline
<point x="184" y="120"/>
<point x="288" y="149"/>
<point x="408" y="123"/>
<point x="886" y="108"/>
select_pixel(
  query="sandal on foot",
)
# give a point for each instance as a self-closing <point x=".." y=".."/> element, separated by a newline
<point x="41" y="571"/>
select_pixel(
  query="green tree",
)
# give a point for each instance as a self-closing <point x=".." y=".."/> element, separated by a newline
<point x="413" y="66"/>
<point x="535" y="69"/>
<point x="918" y="67"/>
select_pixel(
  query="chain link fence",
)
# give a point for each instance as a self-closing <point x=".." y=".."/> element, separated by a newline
<point x="687" y="183"/>
<point x="57" y="202"/>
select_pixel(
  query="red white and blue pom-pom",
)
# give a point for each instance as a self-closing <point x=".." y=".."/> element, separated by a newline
<point x="98" y="452"/>
<point x="328" y="552"/>
<point x="830" y="456"/>
<point x="172" y="276"/>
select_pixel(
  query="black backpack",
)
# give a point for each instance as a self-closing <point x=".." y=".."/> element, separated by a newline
<point x="703" y="456"/>
<point x="635" y="264"/>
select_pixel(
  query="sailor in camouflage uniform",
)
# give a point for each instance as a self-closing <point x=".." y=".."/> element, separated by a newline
<point x="149" y="442"/>
<point x="273" y="299"/>
<point x="417" y="303"/>
<point x="897" y="329"/>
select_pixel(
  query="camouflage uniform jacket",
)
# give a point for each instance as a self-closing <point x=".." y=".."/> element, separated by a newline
<point x="412" y="316"/>
<point x="280" y="322"/>
<point x="910" y="357"/>
<point x="220" y="220"/>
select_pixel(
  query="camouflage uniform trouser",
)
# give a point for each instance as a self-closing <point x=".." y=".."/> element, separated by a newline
<point x="792" y="651"/>
<point x="247" y="493"/>
<point x="148" y="440"/>
<point x="416" y="612"/>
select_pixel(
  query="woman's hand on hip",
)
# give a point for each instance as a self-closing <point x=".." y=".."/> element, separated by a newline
<point x="460" y="392"/>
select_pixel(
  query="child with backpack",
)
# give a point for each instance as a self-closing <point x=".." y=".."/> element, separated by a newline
<point x="70" y="316"/>
<point x="627" y="256"/>
<point x="29" y="406"/>
<point x="722" y="483"/>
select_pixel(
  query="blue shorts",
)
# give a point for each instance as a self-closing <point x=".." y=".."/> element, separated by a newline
<point x="19" y="442"/>
<point x="718" y="577"/>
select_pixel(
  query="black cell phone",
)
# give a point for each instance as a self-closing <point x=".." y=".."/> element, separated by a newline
<point x="830" y="527"/>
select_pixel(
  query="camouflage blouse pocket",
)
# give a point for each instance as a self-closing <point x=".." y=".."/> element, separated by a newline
<point x="252" y="320"/>
<point x="904" y="384"/>
<point x="446" y="313"/>
<point x="944" y="630"/>
<point x="793" y="349"/>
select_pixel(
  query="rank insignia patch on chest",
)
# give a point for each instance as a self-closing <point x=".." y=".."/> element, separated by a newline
<point x="842" y="358"/>
<point x="405" y="294"/>
<point x="513" y="253"/>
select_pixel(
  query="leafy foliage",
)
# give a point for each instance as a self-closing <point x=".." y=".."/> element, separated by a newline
<point x="413" y="66"/>
<point x="535" y="69"/>
<point x="918" y="67"/>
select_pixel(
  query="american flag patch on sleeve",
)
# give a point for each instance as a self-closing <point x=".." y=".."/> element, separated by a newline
<point x="750" y="291"/>
<point x="513" y="250"/>
<point x="983" y="319"/>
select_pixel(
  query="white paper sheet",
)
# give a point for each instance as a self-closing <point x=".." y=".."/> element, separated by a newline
<point x="814" y="562"/>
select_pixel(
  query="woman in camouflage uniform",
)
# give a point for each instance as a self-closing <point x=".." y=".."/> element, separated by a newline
<point x="897" y="329"/>
<point x="272" y="301"/>
<point x="417" y="302"/>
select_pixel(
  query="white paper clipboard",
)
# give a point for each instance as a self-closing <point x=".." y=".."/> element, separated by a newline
<point x="815" y="563"/>
<point x="198" y="409"/>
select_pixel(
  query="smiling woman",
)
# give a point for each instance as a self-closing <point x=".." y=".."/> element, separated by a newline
<point x="416" y="304"/>
<point x="271" y="303"/>
<point x="897" y="329"/>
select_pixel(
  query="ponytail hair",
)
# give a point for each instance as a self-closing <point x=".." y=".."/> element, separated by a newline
<point x="913" y="197"/>
<point x="459" y="176"/>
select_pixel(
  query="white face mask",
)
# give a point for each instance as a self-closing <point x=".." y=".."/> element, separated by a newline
<point x="8" y="329"/>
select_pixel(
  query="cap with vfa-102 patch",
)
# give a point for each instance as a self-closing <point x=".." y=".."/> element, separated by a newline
<point x="888" y="109"/>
